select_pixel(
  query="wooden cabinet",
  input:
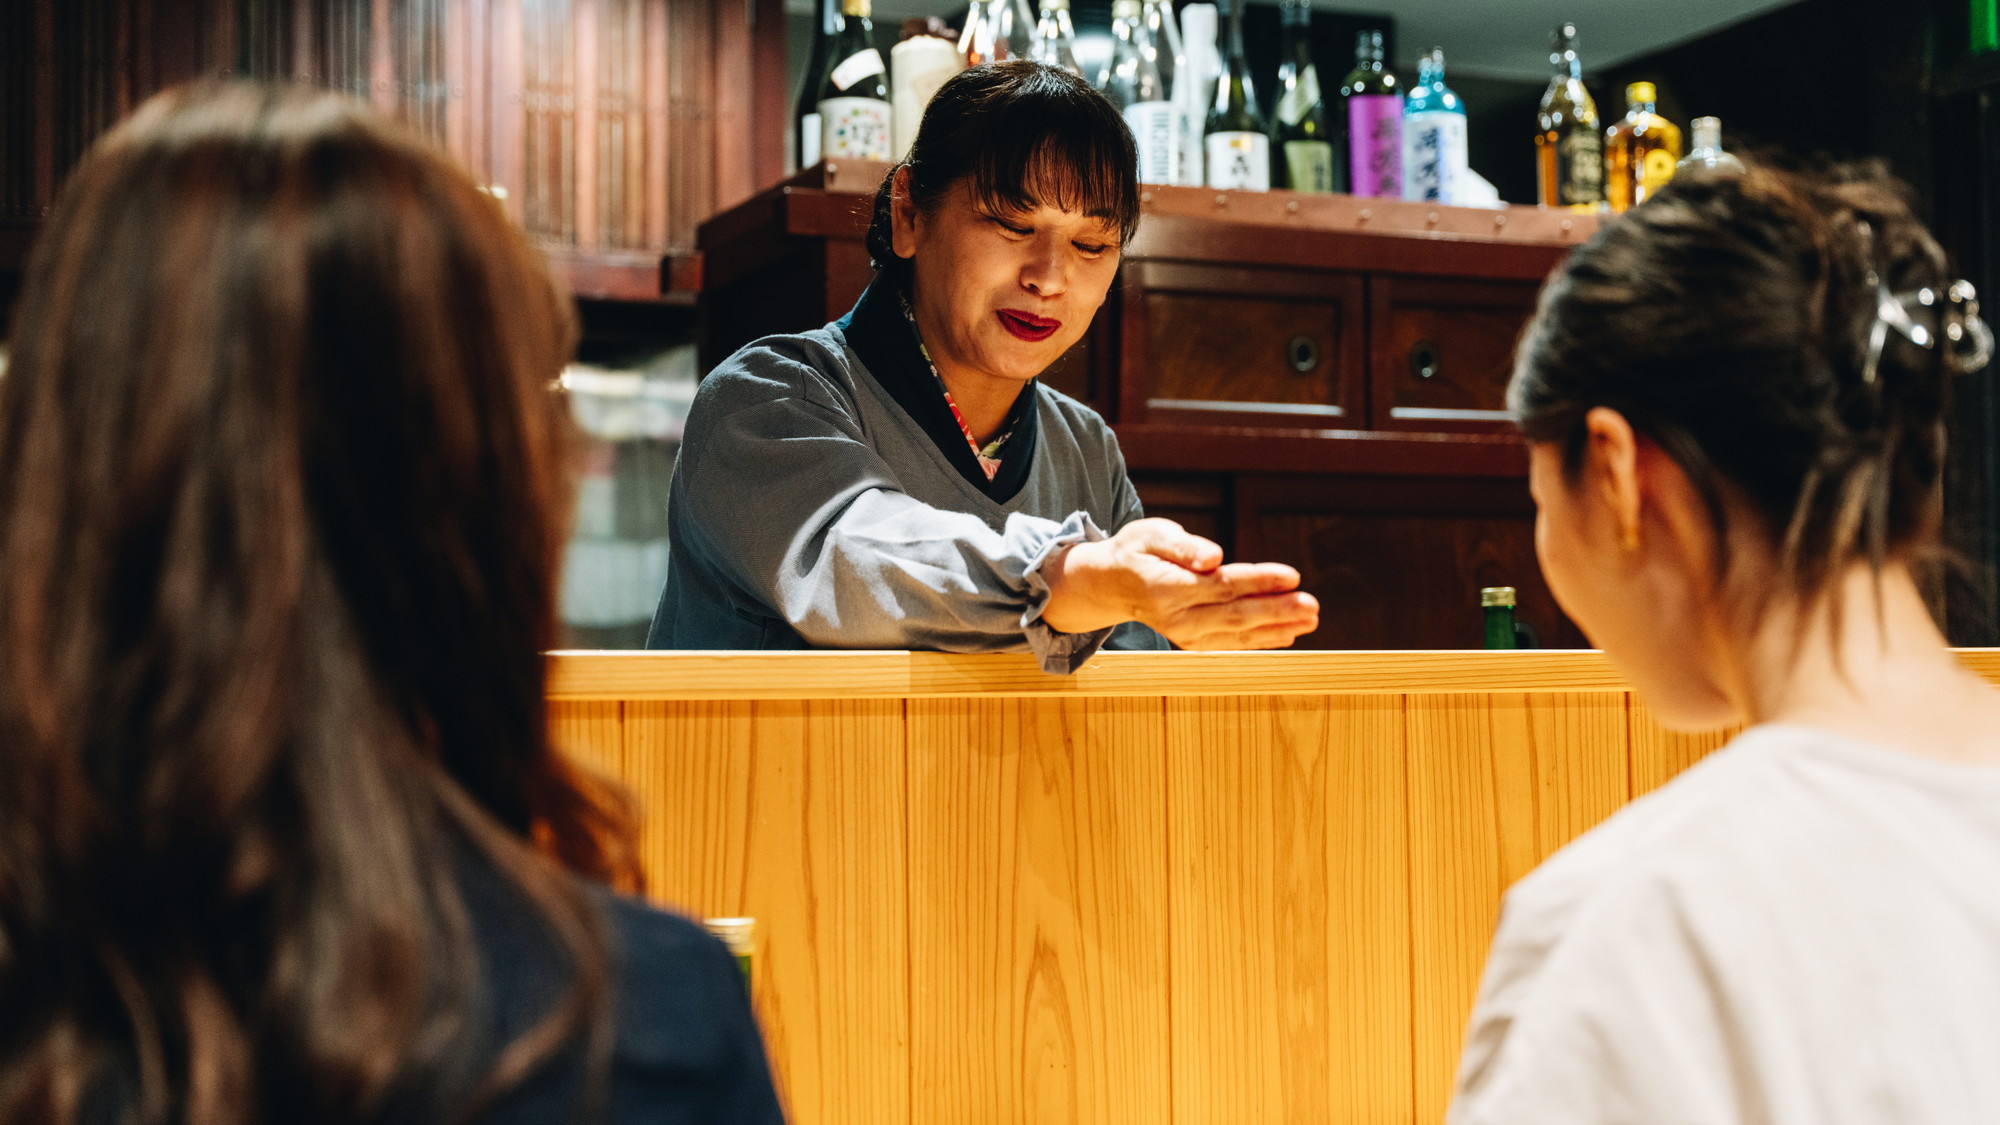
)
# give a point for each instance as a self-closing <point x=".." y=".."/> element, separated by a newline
<point x="612" y="128"/>
<point x="1318" y="381"/>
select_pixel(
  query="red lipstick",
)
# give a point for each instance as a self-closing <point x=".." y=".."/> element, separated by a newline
<point x="1027" y="326"/>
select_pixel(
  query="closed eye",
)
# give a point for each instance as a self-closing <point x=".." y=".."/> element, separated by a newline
<point x="1010" y="228"/>
<point x="1090" y="250"/>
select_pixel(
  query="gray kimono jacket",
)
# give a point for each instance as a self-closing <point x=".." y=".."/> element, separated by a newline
<point x="809" y="509"/>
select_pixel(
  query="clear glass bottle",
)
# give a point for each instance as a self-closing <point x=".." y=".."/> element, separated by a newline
<point x="1236" y="146"/>
<point x="1133" y="84"/>
<point x="1569" y="150"/>
<point x="1706" y="151"/>
<point x="1374" y="101"/>
<point x="1194" y="87"/>
<point x="1171" y="55"/>
<point x="856" y="121"/>
<point x="1640" y="152"/>
<point x="1497" y="603"/>
<point x="1055" y="37"/>
<point x="1301" y="141"/>
<point x="1435" y="158"/>
<point x="996" y="30"/>
<point x="805" y="117"/>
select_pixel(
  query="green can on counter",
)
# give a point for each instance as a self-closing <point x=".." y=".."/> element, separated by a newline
<point x="740" y="935"/>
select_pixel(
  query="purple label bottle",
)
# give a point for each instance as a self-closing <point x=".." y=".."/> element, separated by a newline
<point x="1374" y="122"/>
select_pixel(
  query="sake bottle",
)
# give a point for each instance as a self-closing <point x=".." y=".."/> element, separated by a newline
<point x="1374" y="103"/>
<point x="1497" y="603"/>
<point x="1301" y="143"/>
<point x="1133" y="84"/>
<point x="1236" y="146"/>
<point x="1435" y="158"/>
<point x="856" y="120"/>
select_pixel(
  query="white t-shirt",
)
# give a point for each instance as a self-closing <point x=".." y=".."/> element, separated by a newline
<point x="1801" y="930"/>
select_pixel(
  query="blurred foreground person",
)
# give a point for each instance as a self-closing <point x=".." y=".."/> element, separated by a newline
<point x="1735" y="398"/>
<point x="283" y="492"/>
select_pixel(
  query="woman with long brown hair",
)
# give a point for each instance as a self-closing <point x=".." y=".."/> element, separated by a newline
<point x="283" y="494"/>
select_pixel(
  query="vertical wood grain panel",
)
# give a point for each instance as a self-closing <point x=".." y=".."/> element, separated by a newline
<point x="792" y="813"/>
<point x="1289" y="917"/>
<point x="1658" y="753"/>
<point x="591" y="732"/>
<point x="1037" y="911"/>
<point x="1497" y="782"/>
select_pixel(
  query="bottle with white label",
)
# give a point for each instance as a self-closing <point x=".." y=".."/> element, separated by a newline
<point x="1301" y="140"/>
<point x="1133" y="84"/>
<point x="1435" y="159"/>
<point x="1194" y="87"/>
<point x="1236" y="148"/>
<point x="855" y="119"/>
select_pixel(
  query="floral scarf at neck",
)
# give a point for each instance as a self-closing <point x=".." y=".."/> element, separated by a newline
<point x="989" y="455"/>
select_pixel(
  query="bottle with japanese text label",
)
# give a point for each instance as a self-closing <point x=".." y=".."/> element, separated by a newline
<point x="1640" y="151"/>
<point x="1133" y="84"/>
<point x="855" y="118"/>
<point x="1435" y="157"/>
<point x="1569" y="149"/>
<point x="1374" y="101"/>
<point x="805" y="118"/>
<point x="1301" y="141"/>
<point x="1236" y="147"/>
<point x="1194" y="87"/>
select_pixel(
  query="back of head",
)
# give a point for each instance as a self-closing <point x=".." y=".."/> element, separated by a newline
<point x="1735" y="320"/>
<point x="282" y="501"/>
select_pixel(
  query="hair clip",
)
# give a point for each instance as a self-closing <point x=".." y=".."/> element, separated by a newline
<point x="1968" y="342"/>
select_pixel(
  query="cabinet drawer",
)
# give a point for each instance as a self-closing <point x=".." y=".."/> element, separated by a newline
<point x="1443" y="350"/>
<point x="1245" y="347"/>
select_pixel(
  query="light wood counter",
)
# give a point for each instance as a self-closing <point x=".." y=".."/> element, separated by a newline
<point x="1175" y="887"/>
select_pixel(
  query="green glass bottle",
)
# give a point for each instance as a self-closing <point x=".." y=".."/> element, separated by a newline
<point x="1498" y="602"/>
<point x="1301" y="142"/>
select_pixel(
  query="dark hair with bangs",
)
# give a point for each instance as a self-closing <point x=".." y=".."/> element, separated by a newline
<point x="1021" y="133"/>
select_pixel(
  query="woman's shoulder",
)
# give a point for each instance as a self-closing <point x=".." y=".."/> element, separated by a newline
<point x="681" y="998"/>
<point x="1077" y="421"/>
<point x="816" y="366"/>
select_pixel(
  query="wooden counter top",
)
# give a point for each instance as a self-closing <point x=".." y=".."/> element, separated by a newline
<point x="919" y="675"/>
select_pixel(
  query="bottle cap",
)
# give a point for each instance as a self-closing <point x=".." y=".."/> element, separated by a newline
<point x="1497" y="595"/>
<point x="1125" y="9"/>
<point x="1641" y="92"/>
<point x="739" y="934"/>
<point x="1707" y="132"/>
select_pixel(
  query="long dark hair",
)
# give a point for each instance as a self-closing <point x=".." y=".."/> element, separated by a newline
<point x="283" y="491"/>
<point x="1010" y="129"/>
<point x="1729" y="319"/>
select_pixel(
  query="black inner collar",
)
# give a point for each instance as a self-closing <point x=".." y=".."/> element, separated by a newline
<point x="887" y="343"/>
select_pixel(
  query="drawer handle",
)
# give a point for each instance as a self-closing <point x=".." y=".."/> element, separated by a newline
<point x="1303" y="354"/>
<point x="1425" y="359"/>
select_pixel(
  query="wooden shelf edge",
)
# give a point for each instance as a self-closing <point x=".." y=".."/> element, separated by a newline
<point x="639" y="276"/>
<point x="1248" y="449"/>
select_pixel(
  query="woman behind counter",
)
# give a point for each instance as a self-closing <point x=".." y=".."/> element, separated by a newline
<point x="899" y="479"/>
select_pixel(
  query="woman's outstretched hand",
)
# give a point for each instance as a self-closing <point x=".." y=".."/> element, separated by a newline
<point x="1158" y="574"/>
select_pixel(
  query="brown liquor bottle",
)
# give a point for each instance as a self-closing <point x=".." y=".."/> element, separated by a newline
<point x="1569" y="151"/>
<point x="1640" y="152"/>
